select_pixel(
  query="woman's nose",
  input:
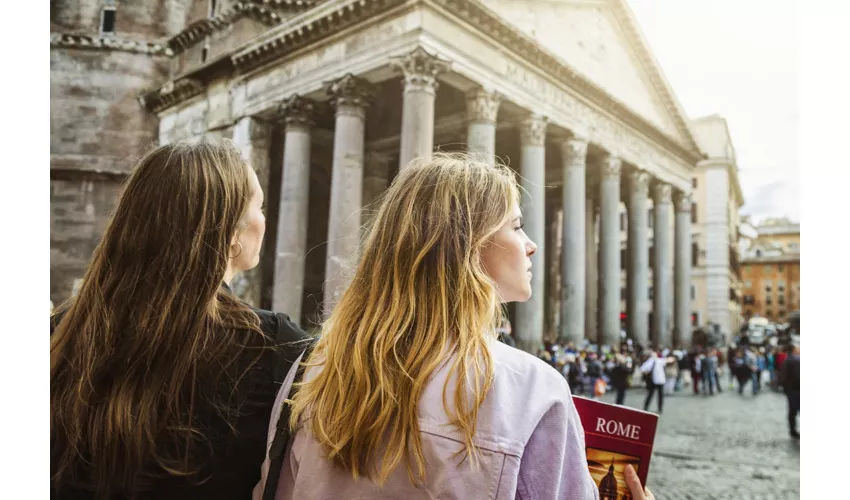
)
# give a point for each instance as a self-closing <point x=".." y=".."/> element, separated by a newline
<point x="531" y="248"/>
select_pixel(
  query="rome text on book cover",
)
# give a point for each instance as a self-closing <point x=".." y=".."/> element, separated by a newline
<point x="616" y="436"/>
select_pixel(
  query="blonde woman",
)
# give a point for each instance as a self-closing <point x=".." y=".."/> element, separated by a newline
<point x="408" y="394"/>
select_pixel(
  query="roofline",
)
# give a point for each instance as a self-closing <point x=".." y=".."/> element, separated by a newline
<point x="325" y="18"/>
<point x="656" y="73"/>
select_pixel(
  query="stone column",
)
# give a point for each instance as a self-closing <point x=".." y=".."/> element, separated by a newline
<point x="350" y="97"/>
<point x="609" y="251"/>
<point x="574" y="160"/>
<point x="682" y="292"/>
<point x="291" y="242"/>
<point x="482" y="106"/>
<point x="253" y="139"/>
<point x="637" y="301"/>
<point x="662" y="267"/>
<point x="420" y="71"/>
<point x="529" y="314"/>
<point x="554" y="257"/>
<point x="591" y="269"/>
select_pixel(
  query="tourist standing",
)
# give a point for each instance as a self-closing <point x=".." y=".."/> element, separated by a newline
<point x="709" y="372"/>
<point x="407" y="381"/>
<point x="790" y="379"/>
<point x="162" y="381"/>
<point x="620" y="373"/>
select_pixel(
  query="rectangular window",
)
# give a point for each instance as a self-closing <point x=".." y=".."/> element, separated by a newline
<point x="650" y="293"/>
<point x="212" y="8"/>
<point x="107" y="21"/>
<point x="768" y="313"/>
<point x="693" y="213"/>
<point x="779" y="267"/>
<point x="694" y="182"/>
<point x="622" y="222"/>
<point x="693" y="293"/>
<point x="782" y="313"/>
<point x="623" y="259"/>
<point x="651" y="257"/>
<point x="694" y="254"/>
<point x="622" y="294"/>
<point x="768" y="300"/>
<point x="205" y="52"/>
<point x="649" y="219"/>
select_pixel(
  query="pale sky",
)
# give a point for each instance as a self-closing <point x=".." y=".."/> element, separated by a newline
<point x="738" y="59"/>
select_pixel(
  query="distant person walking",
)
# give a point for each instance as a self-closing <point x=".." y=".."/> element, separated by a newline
<point x="654" y="367"/>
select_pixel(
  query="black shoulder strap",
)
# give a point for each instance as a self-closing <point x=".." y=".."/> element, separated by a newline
<point x="283" y="433"/>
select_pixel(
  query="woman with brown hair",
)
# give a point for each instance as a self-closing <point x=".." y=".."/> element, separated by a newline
<point x="408" y="394"/>
<point x="161" y="380"/>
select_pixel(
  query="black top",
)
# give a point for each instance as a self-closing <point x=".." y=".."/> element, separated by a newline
<point x="789" y="374"/>
<point x="620" y="376"/>
<point x="234" y="468"/>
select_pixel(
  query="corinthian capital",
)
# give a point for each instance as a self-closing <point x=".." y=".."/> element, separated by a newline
<point x="297" y="111"/>
<point x="349" y="92"/>
<point x="661" y="193"/>
<point x="639" y="181"/>
<point x="420" y="70"/>
<point x="682" y="202"/>
<point x="611" y="166"/>
<point x="532" y="130"/>
<point x="482" y="105"/>
<point x="574" y="152"/>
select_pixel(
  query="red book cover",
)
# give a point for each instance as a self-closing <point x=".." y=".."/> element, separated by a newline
<point x="616" y="436"/>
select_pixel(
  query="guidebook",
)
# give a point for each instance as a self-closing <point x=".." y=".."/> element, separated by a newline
<point x="616" y="436"/>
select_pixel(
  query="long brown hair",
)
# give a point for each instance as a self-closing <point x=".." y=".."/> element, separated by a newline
<point x="419" y="296"/>
<point x="153" y="344"/>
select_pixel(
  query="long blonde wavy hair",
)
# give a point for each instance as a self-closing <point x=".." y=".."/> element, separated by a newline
<point x="418" y="291"/>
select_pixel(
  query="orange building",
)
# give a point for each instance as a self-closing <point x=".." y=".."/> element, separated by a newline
<point x="770" y="272"/>
<point x="771" y="286"/>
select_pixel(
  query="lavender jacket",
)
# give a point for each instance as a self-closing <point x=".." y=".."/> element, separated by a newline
<point x="529" y="434"/>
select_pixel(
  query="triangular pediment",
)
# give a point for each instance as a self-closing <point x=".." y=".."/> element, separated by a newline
<point x="600" y="40"/>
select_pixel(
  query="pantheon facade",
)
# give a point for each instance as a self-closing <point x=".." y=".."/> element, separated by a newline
<point x="329" y="99"/>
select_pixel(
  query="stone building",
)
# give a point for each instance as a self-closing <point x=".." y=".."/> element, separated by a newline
<point x="329" y="99"/>
<point x="770" y="270"/>
<point x="716" y="291"/>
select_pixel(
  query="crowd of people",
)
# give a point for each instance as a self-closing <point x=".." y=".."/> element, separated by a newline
<point x="593" y="370"/>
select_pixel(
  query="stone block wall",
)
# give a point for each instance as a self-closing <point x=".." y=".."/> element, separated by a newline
<point x="149" y="20"/>
<point x="96" y="122"/>
<point x="79" y="211"/>
<point x="98" y="129"/>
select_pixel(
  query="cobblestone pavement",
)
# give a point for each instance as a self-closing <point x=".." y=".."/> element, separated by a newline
<point x="726" y="446"/>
